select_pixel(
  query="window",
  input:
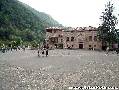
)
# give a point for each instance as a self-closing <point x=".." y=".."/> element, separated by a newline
<point x="50" y="31"/>
<point x="55" y="40"/>
<point x="95" y="38"/>
<point x="86" y="39"/>
<point x="72" y="38"/>
<point x="90" y="38"/>
<point x="72" y="46"/>
<point x="94" y="45"/>
<point x="60" y="35"/>
<point x="67" y="38"/>
<point x="89" y="45"/>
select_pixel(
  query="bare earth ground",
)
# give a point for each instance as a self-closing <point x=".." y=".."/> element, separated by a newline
<point x="62" y="69"/>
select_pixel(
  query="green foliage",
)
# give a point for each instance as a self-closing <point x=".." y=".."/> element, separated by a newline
<point x="19" y="22"/>
<point x="106" y="31"/>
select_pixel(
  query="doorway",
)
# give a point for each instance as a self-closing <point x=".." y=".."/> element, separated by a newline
<point x="80" y="46"/>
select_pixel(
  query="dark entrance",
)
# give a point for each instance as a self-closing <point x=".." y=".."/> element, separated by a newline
<point x="55" y="45"/>
<point x="104" y="47"/>
<point x="60" y="46"/>
<point x="80" y="46"/>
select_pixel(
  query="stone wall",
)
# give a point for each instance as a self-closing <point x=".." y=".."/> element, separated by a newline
<point x="73" y="39"/>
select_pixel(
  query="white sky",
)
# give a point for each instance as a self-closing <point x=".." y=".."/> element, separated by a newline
<point x="74" y="13"/>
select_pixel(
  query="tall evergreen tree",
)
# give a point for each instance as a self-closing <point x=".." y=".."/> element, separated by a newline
<point x="106" y="31"/>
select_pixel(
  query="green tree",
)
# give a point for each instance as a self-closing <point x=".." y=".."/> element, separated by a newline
<point x="106" y="31"/>
<point x="19" y="22"/>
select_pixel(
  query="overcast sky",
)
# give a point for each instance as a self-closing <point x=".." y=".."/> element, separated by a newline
<point x="73" y="13"/>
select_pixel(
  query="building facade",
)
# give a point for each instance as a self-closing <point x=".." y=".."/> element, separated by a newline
<point x="73" y="38"/>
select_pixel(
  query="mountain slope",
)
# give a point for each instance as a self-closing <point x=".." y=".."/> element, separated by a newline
<point x="49" y="21"/>
<point x="20" y="21"/>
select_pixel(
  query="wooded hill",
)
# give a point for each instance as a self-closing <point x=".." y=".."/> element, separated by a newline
<point x="20" y="22"/>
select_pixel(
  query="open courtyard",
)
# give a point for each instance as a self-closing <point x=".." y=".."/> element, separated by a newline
<point x="24" y="70"/>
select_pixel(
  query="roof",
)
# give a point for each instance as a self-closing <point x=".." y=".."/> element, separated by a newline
<point x="68" y="29"/>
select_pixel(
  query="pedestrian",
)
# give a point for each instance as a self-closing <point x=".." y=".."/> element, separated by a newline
<point x="23" y="48"/>
<point x="18" y="47"/>
<point x="46" y="52"/>
<point x="47" y="47"/>
<point x="107" y="50"/>
<point x="38" y="52"/>
<point x="117" y="50"/>
<point x="43" y="52"/>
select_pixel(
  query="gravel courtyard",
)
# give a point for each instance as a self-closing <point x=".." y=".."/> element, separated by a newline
<point x="62" y="69"/>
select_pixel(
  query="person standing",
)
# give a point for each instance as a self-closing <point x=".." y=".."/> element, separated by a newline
<point x="23" y="48"/>
<point x="38" y="52"/>
<point x="117" y="50"/>
<point x="43" y="52"/>
<point x="47" y="47"/>
<point x="107" y="50"/>
<point x="46" y="52"/>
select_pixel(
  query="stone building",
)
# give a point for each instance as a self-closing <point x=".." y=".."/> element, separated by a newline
<point x="73" y="38"/>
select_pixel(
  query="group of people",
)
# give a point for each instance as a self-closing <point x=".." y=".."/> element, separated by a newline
<point x="43" y="51"/>
<point x="5" y="49"/>
<point x="108" y="49"/>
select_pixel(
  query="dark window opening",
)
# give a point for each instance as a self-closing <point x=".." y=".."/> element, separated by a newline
<point x="95" y="38"/>
<point x="72" y="38"/>
<point x="90" y="38"/>
<point x="80" y="46"/>
<point x="50" y="31"/>
<point x="72" y="45"/>
<point x="89" y="45"/>
<point x="67" y="38"/>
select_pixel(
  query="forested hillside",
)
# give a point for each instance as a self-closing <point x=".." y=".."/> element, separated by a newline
<point x="19" y="22"/>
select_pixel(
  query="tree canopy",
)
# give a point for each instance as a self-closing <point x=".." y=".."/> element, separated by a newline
<point x="107" y="31"/>
<point x="19" y="21"/>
